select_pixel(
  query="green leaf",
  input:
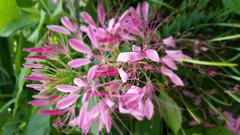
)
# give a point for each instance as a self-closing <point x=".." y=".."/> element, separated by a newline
<point x="38" y="125"/>
<point x="208" y="63"/>
<point x="218" y="131"/>
<point x="171" y="113"/>
<point x="233" y="5"/>
<point x="20" y="85"/>
<point x="8" y="12"/>
<point x="19" y="24"/>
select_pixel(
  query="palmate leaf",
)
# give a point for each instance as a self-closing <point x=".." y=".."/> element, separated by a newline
<point x="171" y="112"/>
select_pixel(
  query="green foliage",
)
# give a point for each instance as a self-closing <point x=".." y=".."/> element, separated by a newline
<point x="171" y="112"/>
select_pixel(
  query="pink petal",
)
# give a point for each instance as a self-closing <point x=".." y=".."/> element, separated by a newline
<point x="136" y="48"/>
<point x="92" y="72"/>
<point x="110" y="72"/>
<point x="75" y="63"/>
<point x="67" y="101"/>
<point x="32" y="65"/>
<point x="148" y="109"/>
<point x="169" y="41"/>
<point x="39" y="49"/>
<point x="58" y="29"/>
<point x="131" y="29"/>
<point x="169" y="62"/>
<point x="51" y="112"/>
<point x="176" y="54"/>
<point x="92" y="36"/>
<point x="36" y="78"/>
<point x="80" y="46"/>
<point x="106" y="119"/>
<point x="39" y="102"/>
<point x="86" y="17"/>
<point x="67" y="23"/>
<point x="130" y="57"/>
<point x="111" y="24"/>
<point x="101" y="13"/>
<point x="39" y="57"/>
<point x="152" y="55"/>
<point x="80" y="83"/>
<point x="35" y="86"/>
<point x="123" y="75"/>
<point x="73" y="122"/>
<point x="127" y="37"/>
<point x="173" y="77"/>
<point x="83" y="114"/>
<point x="145" y="8"/>
<point x="67" y="88"/>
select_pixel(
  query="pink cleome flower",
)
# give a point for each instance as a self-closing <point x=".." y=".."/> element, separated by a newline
<point x="100" y="78"/>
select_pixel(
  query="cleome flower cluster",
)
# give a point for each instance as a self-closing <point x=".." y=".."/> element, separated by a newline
<point x="90" y="73"/>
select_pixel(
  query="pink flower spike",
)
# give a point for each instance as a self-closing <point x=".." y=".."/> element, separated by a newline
<point x="145" y="8"/>
<point x="75" y="63"/>
<point x="67" y="88"/>
<point x="92" y="72"/>
<point x="86" y="17"/>
<point x="80" y="83"/>
<point x="101" y="14"/>
<point x="80" y="46"/>
<point x="172" y="76"/>
<point x="169" y="41"/>
<point x="148" y="109"/>
<point x="123" y="75"/>
<point x="67" y="23"/>
<point x="152" y="55"/>
<point x="67" y="101"/>
<point x="58" y="29"/>
<point x="50" y="112"/>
